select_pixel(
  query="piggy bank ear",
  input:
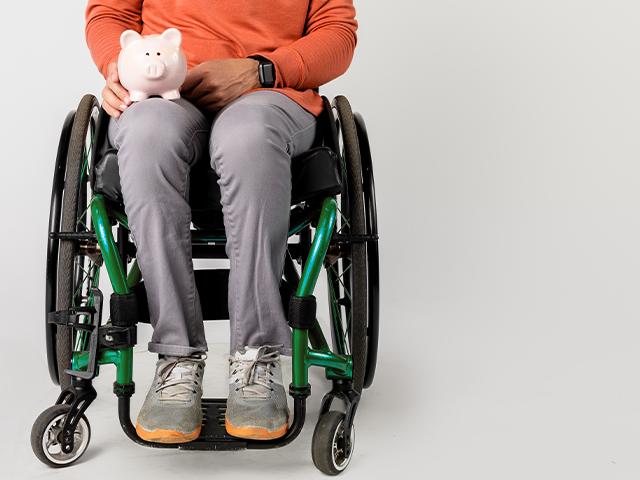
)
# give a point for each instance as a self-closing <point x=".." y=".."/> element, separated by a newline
<point x="172" y="36"/>
<point x="128" y="37"/>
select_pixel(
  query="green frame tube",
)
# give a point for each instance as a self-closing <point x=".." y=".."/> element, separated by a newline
<point x="122" y="359"/>
<point x="108" y="246"/>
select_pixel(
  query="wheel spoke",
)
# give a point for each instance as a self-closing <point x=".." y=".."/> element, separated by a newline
<point x="88" y="275"/>
<point x="82" y="216"/>
<point x="85" y="298"/>
<point x="339" y="277"/>
<point x="345" y="222"/>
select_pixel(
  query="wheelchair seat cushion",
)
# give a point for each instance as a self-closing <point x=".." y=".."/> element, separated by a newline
<point x="314" y="175"/>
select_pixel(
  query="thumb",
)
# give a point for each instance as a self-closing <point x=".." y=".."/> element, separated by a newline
<point x="193" y="78"/>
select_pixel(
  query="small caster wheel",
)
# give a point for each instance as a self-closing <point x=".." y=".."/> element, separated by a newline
<point x="46" y="437"/>
<point x="328" y="446"/>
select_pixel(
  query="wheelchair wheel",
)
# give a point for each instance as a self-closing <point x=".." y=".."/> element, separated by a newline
<point x="53" y="244"/>
<point x="328" y="446"/>
<point x="77" y="268"/>
<point x="347" y="273"/>
<point x="46" y="437"/>
<point x="373" y="261"/>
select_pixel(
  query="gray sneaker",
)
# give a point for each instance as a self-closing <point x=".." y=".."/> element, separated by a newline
<point x="171" y="413"/>
<point x="257" y="404"/>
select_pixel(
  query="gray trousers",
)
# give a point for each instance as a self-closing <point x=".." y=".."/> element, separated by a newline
<point x="250" y="144"/>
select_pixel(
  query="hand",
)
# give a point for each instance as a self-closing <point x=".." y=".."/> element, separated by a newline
<point x="216" y="83"/>
<point x="115" y="98"/>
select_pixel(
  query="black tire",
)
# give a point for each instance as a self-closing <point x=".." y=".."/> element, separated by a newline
<point x="348" y="274"/>
<point x="46" y="437"/>
<point x="373" y="258"/>
<point x="53" y="244"/>
<point x="74" y="218"/>
<point x="328" y="444"/>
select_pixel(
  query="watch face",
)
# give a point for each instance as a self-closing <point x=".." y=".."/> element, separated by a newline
<point x="267" y="74"/>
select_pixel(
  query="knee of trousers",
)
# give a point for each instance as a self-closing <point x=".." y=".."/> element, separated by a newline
<point x="246" y="144"/>
<point x="153" y="141"/>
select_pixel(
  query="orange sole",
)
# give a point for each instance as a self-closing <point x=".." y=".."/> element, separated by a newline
<point x="166" y="436"/>
<point x="253" y="433"/>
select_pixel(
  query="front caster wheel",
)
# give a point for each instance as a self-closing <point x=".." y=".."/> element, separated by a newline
<point x="329" y="449"/>
<point x="46" y="437"/>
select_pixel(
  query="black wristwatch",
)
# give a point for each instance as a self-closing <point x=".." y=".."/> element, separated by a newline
<point x="266" y="72"/>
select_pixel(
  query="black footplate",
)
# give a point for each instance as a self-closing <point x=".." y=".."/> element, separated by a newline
<point x="213" y="435"/>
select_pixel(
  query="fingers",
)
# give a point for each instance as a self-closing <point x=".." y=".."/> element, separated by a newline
<point x="115" y="97"/>
<point x="112" y="104"/>
<point x="210" y="101"/>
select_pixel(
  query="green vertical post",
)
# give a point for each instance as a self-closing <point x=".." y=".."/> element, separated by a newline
<point x="308" y="280"/>
<point x="108" y="246"/>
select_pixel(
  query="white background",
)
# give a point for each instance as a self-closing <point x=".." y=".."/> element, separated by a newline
<point x="505" y="140"/>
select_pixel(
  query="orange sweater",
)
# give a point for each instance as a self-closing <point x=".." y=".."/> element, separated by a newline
<point x="310" y="42"/>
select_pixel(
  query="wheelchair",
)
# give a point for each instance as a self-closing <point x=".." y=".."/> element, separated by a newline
<point x="333" y="228"/>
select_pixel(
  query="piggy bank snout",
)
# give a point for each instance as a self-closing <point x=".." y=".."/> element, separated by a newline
<point x="154" y="69"/>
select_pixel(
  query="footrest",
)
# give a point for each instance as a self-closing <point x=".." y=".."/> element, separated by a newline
<point x="213" y="435"/>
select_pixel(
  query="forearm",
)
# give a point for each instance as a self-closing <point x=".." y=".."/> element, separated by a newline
<point x="324" y="52"/>
<point x="105" y="22"/>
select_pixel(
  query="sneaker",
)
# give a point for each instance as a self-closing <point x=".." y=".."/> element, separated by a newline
<point x="257" y="405"/>
<point x="171" y="413"/>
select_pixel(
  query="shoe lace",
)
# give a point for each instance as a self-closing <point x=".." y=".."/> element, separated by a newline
<point x="176" y="377"/>
<point x="256" y="375"/>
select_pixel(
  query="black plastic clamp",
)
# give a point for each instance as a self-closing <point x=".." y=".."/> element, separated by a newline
<point x="302" y="312"/>
<point x="118" y="337"/>
<point x="69" y="318"/>
<point x="299" y="392"/>
<point x="124" y="390"/>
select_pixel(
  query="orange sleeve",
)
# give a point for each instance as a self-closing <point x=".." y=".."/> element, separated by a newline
<point x="105" y="22"/>
<point x="324" y="52"/>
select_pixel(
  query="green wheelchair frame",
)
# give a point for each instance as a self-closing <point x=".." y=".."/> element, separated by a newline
<point x="81" y="240"/>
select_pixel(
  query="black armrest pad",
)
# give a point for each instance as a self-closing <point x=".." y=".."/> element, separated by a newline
<point x="314" y="174"/>
<point x="107" y="176"/>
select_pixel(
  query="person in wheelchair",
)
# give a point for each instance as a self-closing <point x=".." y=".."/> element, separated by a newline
<point x="248" y="106"/>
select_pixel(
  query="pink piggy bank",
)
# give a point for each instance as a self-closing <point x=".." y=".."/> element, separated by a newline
<point x="152" y="65"/>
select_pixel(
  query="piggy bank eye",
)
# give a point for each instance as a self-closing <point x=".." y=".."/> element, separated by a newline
<point x="158" y="53"/>
<point x="147" y="54"/>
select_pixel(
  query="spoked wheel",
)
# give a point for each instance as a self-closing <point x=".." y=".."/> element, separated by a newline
<point x="46" y="437"/>
<point x="353" y="303"/>
<point x="329" y="450"/>
<point x="71" y="263"/>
